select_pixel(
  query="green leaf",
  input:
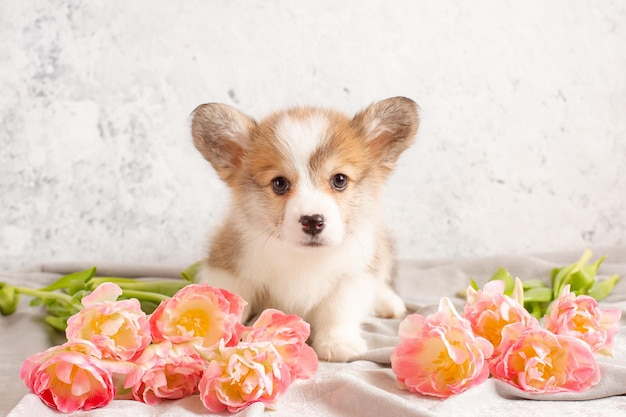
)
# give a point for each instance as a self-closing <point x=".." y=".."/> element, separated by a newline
<point x="474" y="284"/>
<point x="535" y="309"/>
<point x="78" y="296"/>
<point x="593" y="268"/>
<point x="580" y="281"/>
<point x="538" y="294"/>
<point x="601" y="289"/>
<point x="504" y="275"/>
<point x="533" y="283"/>
<point x="189" y="274"/>
<point x="147" y="306"/>
<point x="57" y="323"/>
<point x="76" y="286"/>
<point x="562" y="276"/>
<point x="60" y="308"/>
<point x="65" y="281"/>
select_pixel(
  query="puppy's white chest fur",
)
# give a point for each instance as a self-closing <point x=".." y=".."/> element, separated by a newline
<point x="304" y="231"/>
<point x="298" y="280"/>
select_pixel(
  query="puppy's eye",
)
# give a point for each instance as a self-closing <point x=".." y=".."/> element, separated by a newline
<point x="280" y="185"/>
<point x="339" y="182"/>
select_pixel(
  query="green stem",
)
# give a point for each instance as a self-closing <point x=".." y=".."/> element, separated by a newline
<point x="144" y="295"/>
<point x="49" y="295"/>
<point x="167" y="287"/>
<point x="117" y="280"/>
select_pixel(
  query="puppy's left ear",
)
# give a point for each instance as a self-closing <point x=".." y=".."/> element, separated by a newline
<point x="389" y="127"/>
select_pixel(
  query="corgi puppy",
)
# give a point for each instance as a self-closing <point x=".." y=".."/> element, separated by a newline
<point x="304" y="233"/>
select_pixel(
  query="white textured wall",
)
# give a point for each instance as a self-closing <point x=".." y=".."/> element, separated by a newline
<point x="522" y="146"/>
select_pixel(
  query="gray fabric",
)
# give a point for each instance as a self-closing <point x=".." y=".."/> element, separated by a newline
<point x="365" y="387"/>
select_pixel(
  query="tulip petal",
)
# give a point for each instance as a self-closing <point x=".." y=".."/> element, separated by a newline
<point x="105" y="292"/>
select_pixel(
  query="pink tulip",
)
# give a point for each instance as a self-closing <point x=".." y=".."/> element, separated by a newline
<point x="439" y="355"/>
<point x="288" y="333"/>
<point x="72" y="376"/>
<point x="119" y="329"/>
<point x="537" y="360"/>
<point x="165" y="371"/>
<point x="581" y="317"/>
<point x="241" y="375"/>
<point x="199" y="313"/>
<point x="489" y="310"/>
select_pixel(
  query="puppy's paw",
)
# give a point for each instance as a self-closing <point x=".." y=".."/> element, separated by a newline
<point x="389" y="304"/>
<point x="338" y="349"/>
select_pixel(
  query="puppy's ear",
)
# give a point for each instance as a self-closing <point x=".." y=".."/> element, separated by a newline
<point x="389" y="128"/>
<point x="221" y="134"/>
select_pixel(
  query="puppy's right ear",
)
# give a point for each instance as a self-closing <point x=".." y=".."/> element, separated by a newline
<point x="221" y="134"/>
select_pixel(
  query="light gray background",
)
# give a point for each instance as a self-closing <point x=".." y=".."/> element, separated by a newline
<point x="522" y="147"/>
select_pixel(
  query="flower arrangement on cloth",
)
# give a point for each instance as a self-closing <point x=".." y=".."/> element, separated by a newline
<point x="447" y="353"/>
<point x="194" y="342"/>
<point x="151" y="340"/>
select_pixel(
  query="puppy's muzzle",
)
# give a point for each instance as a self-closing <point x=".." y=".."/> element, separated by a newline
<point x="312" y="224"/>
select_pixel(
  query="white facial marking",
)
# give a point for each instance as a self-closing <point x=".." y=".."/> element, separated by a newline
<point x="299" y="139"/>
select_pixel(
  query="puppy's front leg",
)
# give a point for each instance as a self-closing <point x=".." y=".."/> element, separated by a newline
<point x="388" y="304"/>
<point x="336" y="322"/>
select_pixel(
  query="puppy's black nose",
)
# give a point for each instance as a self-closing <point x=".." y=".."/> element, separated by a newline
<point x="312" y="224"/>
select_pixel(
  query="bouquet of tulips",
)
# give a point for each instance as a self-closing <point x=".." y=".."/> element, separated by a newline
<point x="191" y="342"/>
<point x="447" y="353"/>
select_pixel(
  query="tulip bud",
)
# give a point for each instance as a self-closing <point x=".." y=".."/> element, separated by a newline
<point x="9" y="299"/>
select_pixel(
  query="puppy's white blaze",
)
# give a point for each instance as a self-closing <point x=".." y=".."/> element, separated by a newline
<point x="310" y="201"/>
<point x="300" y="137"/>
